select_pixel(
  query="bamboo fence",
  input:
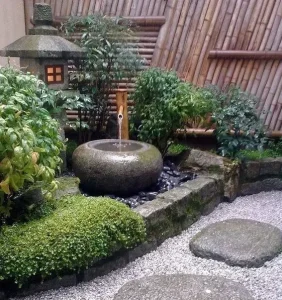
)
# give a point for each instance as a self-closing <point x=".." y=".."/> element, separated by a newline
<point x="197" y="40"/>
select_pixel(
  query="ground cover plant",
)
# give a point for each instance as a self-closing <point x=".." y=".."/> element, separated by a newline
<point x="79" y="231"/>
<point x="30" y="140"/>
<point x="110" y="57"/>
<point x="271" y="148"/>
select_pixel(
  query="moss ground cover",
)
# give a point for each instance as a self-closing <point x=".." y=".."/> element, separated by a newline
<point x="71" y="237"/>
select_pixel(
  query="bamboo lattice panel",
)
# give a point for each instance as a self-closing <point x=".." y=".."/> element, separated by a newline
<point x="193" y="28"/>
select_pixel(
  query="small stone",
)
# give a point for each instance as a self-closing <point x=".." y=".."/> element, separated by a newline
<point x="152" y="195"/>
<point x="176" y="173"/>
<point x="166" y="168"/>
<point x="164" y="175"/>
<point x="142" y="194"/>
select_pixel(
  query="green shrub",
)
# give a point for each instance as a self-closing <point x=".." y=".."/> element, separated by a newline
<point x="162" y="104"/>
<point x="110" y="56"/>
<point x="79" y="231"/>
<point x="256" y="154"/>
<point x="175" y="149"/>
<point x="237" y="124"/>
<point x="30" y="142"/>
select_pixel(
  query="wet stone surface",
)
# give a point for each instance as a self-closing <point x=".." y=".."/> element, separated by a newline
<point x="169" y="179"/>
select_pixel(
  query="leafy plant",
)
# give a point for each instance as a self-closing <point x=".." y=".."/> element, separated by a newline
<point x="237" y="125"/>
<point x="79" y="231"/>
<point x="256" y="154"/>
<point x="176" y="148"/>
<point x="110" y="57"/>
<point x="30" y="140"/>
<point x="162" y="104"/>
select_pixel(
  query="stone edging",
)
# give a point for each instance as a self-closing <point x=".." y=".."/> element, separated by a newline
<point x="166" y="216"/>
<point x="260" y="176"/>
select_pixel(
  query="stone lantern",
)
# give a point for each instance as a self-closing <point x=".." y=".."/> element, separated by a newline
<point x="43" y="52"/>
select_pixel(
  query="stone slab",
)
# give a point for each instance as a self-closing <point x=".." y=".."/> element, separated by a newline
<point x="238" y="242"/>
<point x="182" y="287"/>
<point x="265" y="185"/>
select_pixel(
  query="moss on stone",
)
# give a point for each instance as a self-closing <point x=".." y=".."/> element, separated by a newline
<point x="67" y="186"/>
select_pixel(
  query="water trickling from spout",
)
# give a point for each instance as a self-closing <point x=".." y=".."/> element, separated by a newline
<point x="120" y="117"/>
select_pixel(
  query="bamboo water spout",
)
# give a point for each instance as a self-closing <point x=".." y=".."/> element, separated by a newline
<point x="122" y="114"/>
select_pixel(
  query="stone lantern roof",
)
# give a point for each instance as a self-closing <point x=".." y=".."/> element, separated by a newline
<point x="43" y="40"/>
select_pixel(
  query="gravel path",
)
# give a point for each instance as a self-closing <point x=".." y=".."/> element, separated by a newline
<point x="173" y="256"/>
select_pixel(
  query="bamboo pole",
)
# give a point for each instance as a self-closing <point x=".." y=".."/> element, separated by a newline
<point x="202" y="50"/>
<point x="185" y="60"/>
<point x="150" y="8"/>
<point x="127" y="7"/>
<point x="69" y="7"/>
<point x="188" y="12"/>
<point x="91" y="8"/>
<point x="121" y="98"/>
<point x="114" y="7"/>
<point x="168" y="51"/>
<point x="157" y="7"/>
<point x="270" y="25"/>
<point x="201" y="31"/>
<point x="178" y="34"/>
<point x="58" y="8"/>
<point x="119" y="11"/>
<point x="245" y="54"/>
<point x="208" y="64"/>
<point x="156" y="60"/>
<point x="74" y="7"/>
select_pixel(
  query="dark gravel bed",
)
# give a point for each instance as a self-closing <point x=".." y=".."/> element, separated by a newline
<point x="170" y="178"/>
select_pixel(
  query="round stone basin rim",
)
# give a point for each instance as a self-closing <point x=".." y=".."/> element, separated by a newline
<point x="113" y="145"/>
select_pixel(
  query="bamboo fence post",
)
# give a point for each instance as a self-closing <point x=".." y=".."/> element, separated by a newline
<point x="198" y="39"/>
<point x="121" y="99"/>
<point x="157" y="7"/>
<point x="191" y="41"/>
<point x="120" y="7"/>
<point x="202" y="50"/>
<point x="91" y="8"/>
<point x="150" y="8"/>
<point x="169" y="51"/>
<point x="187" y="24"/>
<point x="69" y="7"/>
<point x="178" y="34"/>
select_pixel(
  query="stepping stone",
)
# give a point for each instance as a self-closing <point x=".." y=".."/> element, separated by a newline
<point x="182" y="287"/>
<point x="238" y="242"/>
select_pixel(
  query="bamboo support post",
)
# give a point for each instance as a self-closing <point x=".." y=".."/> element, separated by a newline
<point x="121" y="98"/>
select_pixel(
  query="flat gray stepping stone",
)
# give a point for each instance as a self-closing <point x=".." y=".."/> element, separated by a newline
<point x="238" y="242"/>
<point x="183" y="287"/>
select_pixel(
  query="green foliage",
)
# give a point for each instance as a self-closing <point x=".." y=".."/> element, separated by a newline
<point x="110" y="56"/>
<point x="176" y="148"/>
<point x="30" y="140"/>
<point x="79" y="231"/>
<point x="256" y="154"/>
<point x="237" y="125"/>
<point x="162" y="104"/>
<point x="271" y="149"/>
<point x="275" y="146"/>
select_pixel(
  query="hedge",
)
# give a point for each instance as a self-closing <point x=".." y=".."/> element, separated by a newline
<point x="79" y="231"/>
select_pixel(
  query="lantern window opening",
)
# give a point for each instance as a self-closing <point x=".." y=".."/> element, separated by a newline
<point x="54" y="74"/>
